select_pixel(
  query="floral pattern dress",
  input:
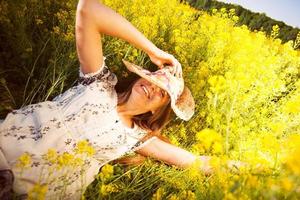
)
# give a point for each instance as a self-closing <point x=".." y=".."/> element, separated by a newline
<point x="84" y="116"/>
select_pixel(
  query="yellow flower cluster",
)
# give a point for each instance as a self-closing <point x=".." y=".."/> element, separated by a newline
<point x="82" y="151"/>
<point x="68" y="159"/>
<point x="275" y="31"/>
<point x="83" y="147"/>
<point x="24" y="161"/>
<point x="106" y="172"/>
<point x="208" y="141"/>
<point x="107" y="189"/>
<point x="38" y="192"/>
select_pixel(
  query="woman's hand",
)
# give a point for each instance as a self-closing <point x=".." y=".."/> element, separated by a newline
<point x="161" y="58"/>
<point x="232" y="165"/>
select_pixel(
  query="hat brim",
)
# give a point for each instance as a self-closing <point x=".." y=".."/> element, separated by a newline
<point x="183" y="105"/>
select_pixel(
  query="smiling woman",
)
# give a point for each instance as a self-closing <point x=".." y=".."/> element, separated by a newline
<point x="60" y="145"/>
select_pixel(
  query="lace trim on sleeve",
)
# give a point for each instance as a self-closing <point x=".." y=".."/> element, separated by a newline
<point x="81" y="74"/>
<point x="103" y="75"/>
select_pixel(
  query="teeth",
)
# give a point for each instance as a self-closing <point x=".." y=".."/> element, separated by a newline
<point x="146" y="91"/>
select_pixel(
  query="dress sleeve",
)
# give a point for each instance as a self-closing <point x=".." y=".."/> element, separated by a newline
<point x="81" y="74"/>
<point x="103" y="74"/>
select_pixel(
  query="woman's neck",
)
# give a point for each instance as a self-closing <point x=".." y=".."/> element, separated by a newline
<point x="126" y="119"/>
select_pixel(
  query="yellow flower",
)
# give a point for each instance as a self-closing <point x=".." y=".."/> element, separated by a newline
<point x="51" y="156"/>
<point x="287" y="184"/>
<point x="24" y="161"/>
<point x="107" y="189"/>
<point x="66" y="159"/>
<point x="229" y="196"/>
<point x="293" y="106"/>
<point x="217" y="147"/>
<point x="218" y="83"/>
<point x="252" y="181"/>
<point x="106" y="172"/>
<point x="173" y="197"/>
<point x="223" y="10"/>
<point x="69" y="36"/>
<point x="37" y="192"/>
<point x="275" y="31"/>
<point x="208" y="140"/>
<point x="39" y="21"/>
<point x="270" y="143"/>
<point x="277" y="127"/>
<point x="235" y="18"/>
<point x="56" y="30"/>
<point x="188" y="195"/>
<point x="293" y="162"/>
<point x="78" y="161"/>
<point x="194" y="171"/>
<point x="83" y="147"/>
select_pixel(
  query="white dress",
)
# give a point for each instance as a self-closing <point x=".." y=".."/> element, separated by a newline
<point x="86" y="111"/>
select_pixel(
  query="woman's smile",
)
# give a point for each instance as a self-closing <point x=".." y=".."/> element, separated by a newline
<point x="146" y="90"/>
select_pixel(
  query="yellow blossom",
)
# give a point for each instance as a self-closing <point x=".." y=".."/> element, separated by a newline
<point x="39" y="21"/>
<point x="83" y="147"/>
<point x="293" y="106"/>
<point x="66" y="159"/>
<point x="37" y="192"/>
<point x="107" y="189"/>
<point x="209" y="141"/>
<point x="56" y="30"/>
<point x="24" y="161"/>
<point x="287" y="184"/>
<point x="173" y="197"/>
<point x="51" y="156"/>
<point x="106" y="172"/>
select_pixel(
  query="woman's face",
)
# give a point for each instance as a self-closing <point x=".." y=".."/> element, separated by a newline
<point x="148" y="95"/>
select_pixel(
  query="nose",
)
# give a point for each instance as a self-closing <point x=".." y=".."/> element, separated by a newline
<point x="155" y="88"/>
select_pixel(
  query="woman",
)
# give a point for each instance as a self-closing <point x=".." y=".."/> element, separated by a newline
<point x="113" y="124"/>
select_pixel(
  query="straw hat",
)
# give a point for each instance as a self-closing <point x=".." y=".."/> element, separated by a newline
<point x="182" y="101"/>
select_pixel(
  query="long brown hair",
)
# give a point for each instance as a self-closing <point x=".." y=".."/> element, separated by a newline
<point x="153" y="123"/>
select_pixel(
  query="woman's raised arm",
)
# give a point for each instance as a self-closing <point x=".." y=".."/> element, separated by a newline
<point x="93" y="18"/>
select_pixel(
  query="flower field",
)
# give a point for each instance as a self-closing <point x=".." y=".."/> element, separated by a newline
<point x="246" y="86"/>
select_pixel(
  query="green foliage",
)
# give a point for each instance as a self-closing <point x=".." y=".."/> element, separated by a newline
<point x="35" y="64"/>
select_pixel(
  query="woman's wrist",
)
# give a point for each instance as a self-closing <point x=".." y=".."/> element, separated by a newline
<point x="150" y="48"/>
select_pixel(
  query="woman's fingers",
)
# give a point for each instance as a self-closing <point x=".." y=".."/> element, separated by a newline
<point x="162" y="57"/>
<point x="177" y="70"/>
